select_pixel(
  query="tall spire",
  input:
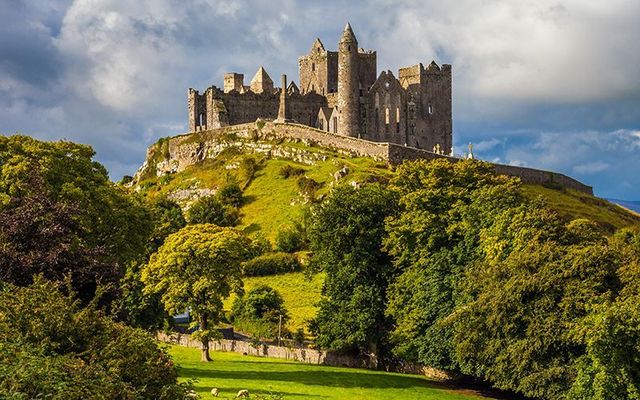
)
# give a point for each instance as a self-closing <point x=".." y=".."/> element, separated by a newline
<point x="348" y="35"/>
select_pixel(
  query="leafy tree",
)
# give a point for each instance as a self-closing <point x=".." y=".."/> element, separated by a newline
<point x="259" y="311"/>
<point x="167" y="219"/>
<point x="196" y="268"/>
<point x="210" y="210"/>
<point x="346" y="232"/>
<point x="610" y="369"/>
<point x="61" y="215"/>
<point x="443" y="207"/>
<point x="51" y="348"/>
<point x="132" y="305"/>
<point x="522" y="327"/>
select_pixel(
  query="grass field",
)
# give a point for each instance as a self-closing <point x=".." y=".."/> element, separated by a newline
<point x="230" y="372"/>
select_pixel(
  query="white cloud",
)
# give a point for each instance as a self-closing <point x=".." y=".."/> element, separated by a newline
<point x="544" y="51"/>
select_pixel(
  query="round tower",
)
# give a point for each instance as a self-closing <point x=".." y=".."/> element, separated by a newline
<point x="348" y="101"/>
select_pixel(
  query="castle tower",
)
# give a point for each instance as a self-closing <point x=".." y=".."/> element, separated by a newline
<point x="233" y="81"/>
<point x="348" y="101"/>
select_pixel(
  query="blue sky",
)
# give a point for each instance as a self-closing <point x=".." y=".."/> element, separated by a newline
<point x="547" y="84"/>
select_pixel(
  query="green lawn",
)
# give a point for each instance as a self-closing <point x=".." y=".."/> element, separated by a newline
<point x="230" y="372"/>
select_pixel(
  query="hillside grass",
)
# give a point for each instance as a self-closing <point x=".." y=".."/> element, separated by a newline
<point x="573" y="204"/>
<point x="272" y="202"/>
<point x="231" y="372"/>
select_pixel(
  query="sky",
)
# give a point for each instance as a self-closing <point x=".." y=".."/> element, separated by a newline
<point x="550" y="84"/>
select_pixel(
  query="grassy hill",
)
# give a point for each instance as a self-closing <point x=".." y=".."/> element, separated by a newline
<point x="231" y="372"/>
<point x="273" y="201"/>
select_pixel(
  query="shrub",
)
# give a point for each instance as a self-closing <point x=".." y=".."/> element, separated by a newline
<point x="249" y="166"/>
<point x="259" y="312"/>
<point x="291" y="239"/>
<point x="210" y="210"/>
<point x="288" y="170"/>
<point x="230" y="194"/>
<point x="271" y="264"/>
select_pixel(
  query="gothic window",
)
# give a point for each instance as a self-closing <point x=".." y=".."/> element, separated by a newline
<point x="386" y="120"/>
<point x="377" y="100"/>
<point x="430" y="109"/>
<point x="397" y="119"/>
<point x="313" y="66"/>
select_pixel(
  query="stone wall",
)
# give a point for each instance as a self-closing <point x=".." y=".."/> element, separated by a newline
<point x="192" y="148"/>
<point x="309" y="356"/>
<point x="305" y="355"/>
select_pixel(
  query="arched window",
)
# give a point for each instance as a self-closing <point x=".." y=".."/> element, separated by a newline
<point x="313" y="66"/>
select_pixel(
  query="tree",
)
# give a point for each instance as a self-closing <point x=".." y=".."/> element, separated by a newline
<point x="443" y="207"/>
<point x="610" y="369"/>
<point x="346" y="232"/>
<point x="51" y="348"/>
<point x="196" y="268"/>
<point x="528" y="299"/>
<point x="132" y="305"/>
<point x="210" y="210"/>
<point x="259" y="312"/>
<point x="60" y="214"/>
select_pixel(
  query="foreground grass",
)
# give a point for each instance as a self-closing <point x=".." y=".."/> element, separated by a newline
<point x="230" y="372"/>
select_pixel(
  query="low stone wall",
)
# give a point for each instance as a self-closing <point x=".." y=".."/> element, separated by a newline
<point x="309" y="356"/>
<point x="189" y="149"/>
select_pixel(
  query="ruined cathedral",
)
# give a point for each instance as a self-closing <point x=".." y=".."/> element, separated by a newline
<point x="340" y="92"/>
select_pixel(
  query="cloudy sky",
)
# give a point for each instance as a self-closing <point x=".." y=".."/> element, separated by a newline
<point x="551" y="84"/>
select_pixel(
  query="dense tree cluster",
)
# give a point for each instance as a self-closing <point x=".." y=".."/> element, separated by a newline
<point x="474" y="278"/>
<point x="60" y="215"/>
<point x="52" y="348"/>
<point x="63" y="221"/>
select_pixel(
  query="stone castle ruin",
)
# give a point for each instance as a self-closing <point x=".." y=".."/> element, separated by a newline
<point x="342" y="103"/>
<point x="340" y="92"/>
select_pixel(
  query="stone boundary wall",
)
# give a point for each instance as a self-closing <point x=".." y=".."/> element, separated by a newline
<point x="188" y="149"/>
<point x="308" y="356"/>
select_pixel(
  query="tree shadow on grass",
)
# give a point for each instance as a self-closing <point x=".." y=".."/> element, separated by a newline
<point x="320" y="378"/>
